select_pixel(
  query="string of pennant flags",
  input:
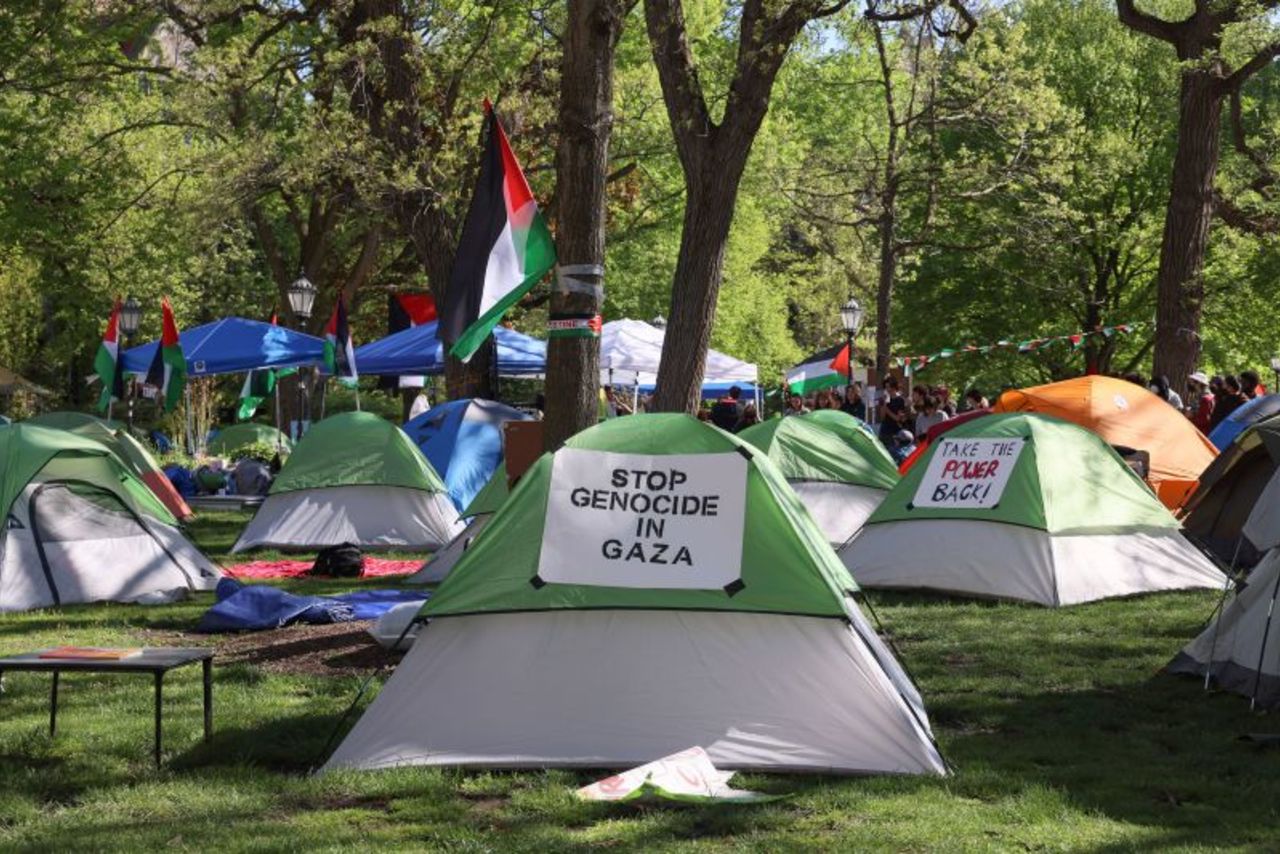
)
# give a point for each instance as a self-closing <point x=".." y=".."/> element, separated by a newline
<point x="1030" y="345"/>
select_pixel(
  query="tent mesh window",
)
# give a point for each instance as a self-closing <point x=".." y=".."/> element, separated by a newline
<point x="66" y="512"/>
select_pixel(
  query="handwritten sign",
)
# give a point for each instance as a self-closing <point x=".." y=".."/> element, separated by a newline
<point x="968" y="473"/>
<point x="644" y="521"/>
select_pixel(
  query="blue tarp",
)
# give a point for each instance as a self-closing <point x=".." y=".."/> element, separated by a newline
<point x="1245" y="416"/>
<point x="234" y="345"/>
<point x="250" y="607"/>
<point x="418" y="350"/>
<point x="463" y="440"/>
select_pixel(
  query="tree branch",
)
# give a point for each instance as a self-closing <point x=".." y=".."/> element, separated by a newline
<point x="1166" y="31"/>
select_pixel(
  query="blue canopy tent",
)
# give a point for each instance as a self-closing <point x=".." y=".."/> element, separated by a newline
<point x="1245" y="416"/>
<point x="463" y="441"/>
<point x="418" y="350"/>
<point x="234" y="345"/>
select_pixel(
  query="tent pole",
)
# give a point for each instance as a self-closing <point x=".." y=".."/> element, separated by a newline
<point x="186" y="395"/>
<point x="1262" y="651"/>
<point x="1226" y="585"/>
<point x="276" y="393"/>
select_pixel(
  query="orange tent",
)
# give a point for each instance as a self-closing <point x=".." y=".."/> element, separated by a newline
<point x="1129" y="415"/>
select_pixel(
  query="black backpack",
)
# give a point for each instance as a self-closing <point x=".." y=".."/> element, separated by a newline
<point x="344" y="561"/>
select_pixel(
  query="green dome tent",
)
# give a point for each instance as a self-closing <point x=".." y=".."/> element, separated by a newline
<point x="653" y="584"/>
<point x="354" y="478"/>
<point x="840" y="481"/>
<point x="855" y="432"/>
<point x="127" y="449"/>
<point x="236" y="436"/>
<point x="80" y="527"/>
<point x="477" y="513"/>
<point x="1027" y="507"/>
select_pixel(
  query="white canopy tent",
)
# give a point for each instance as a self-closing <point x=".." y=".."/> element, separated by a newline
<point x="631" y="351"/>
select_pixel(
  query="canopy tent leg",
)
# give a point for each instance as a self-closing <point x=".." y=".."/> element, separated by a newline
<point x="186" y="398"/>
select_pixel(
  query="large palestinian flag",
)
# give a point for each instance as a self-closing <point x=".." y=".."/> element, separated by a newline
<point x="168" y="370"/>
<point x="107" y="361"/>
<point x="504" y="250"/>
<point x="816" y="372"/>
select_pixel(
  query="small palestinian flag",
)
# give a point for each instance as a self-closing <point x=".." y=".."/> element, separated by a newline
<point x="107" y="361"/>
<point x="168" y="371"/>
<point x="816" y="372"/>
<point x="405" y="311"/>
<point x="258" y="386"/>
<point x="505" y="248"/>
<point x="339" y="352"/>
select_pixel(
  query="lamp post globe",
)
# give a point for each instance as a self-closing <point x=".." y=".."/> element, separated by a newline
<point x="302" y="297"/>
<point x="130" y="317"/>
<point x="851" y="315"/>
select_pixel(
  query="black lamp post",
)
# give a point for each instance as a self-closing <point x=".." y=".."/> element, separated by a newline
<point x="302" y="298"/>
<point x="1275" y="369"/>
<point x="851" y="315"/>
<point x="130" y="320"/>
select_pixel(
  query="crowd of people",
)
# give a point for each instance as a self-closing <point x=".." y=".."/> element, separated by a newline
<point x="903" y="419"/>
<point x="1211" y="399"/>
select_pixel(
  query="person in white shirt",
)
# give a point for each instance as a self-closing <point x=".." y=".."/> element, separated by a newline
<point x="931" y="414"/>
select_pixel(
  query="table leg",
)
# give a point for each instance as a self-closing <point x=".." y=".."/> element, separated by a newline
<point x="208" y="699"/>
<point x="159" y="701"/>
<point x="53" y="706"/>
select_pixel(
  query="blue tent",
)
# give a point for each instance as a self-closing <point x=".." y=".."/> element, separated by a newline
<point x="418" y="350"/>
<point x="1235" y="423"/>
<point x="234" y="345"/>
<point x="463" y="441"/>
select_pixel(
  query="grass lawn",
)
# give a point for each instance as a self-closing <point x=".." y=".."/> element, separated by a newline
<point x="1062" y="732"/>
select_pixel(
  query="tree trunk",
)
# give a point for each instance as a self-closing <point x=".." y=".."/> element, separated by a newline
<point x="1180" y="283"/>
<point x="708" y="215"/>
<point x="473" y="378"/>
<point x="884" y="287"/>
<point x="582" y="166"/>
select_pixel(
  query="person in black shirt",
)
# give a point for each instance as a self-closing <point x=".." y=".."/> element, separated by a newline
<point x="853" y="404"/>
<point x="727" y="411"/>
<point x="893" y="412"/>
<point x="1229" y="401"/>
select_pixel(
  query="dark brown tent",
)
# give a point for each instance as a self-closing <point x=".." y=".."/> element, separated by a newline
<point x="1229" y="488"/>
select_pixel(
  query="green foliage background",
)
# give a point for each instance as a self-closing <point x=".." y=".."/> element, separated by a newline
<point x="138" y="160"/>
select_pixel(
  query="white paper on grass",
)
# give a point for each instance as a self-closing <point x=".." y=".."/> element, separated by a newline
<point x="644" y="521"/>
<point x="968" y="473"/>
<point x="684" y="776"/>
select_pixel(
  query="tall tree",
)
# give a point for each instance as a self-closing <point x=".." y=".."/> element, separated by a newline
<point x="713" y="154"/>
<point x="582" y="166"/>
<point x="1212" y="72"/>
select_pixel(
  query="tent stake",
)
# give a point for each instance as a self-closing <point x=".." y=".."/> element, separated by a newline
<point x="1262" y="651"/>
<point x="1226" y="585"/>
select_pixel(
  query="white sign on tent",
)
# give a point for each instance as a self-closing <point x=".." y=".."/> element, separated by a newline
<point x="644" y="521"/>
<point x="968" y="473"/>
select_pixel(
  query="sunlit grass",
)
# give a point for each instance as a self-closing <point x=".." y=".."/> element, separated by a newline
<point x="1062" y="732"/>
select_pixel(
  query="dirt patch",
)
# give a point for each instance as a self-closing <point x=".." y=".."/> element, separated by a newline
<point x="337" y="649"/>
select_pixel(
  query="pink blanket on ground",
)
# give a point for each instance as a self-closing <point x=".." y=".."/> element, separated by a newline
<point x="374" y="567"/>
